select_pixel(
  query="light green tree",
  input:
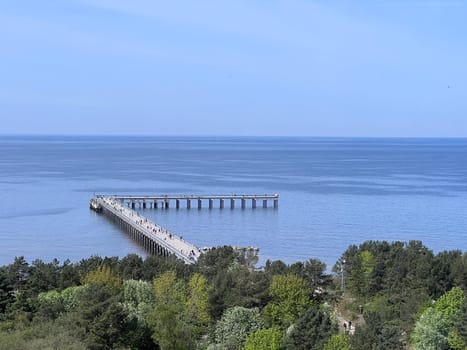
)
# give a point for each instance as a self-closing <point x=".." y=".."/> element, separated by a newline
<point x="432" y="330"/>
<point x="337" y="342"/>
<point x="103" y="275"/>
<point x="290" y="299"/>
<point x="264" y="339"/>
<point x="235" y="325"/>
<point x="180" y="314"/>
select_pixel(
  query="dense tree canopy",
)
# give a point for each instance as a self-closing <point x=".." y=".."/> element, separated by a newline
<point x="396" y="294"/>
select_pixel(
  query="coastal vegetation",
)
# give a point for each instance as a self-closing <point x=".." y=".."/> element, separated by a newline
<point x="379" y="295"/>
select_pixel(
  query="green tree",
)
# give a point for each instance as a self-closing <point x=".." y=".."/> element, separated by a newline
<point x="235" y="325"/>
<point x="100" y="316"/>
<point x="103" y="275"/>
<point x="290" y="298"/>
<point x="337" y="342"/>
<point x="6" y="292"/>
<point x="312" y="330"/>
<point x="197" y="305"/>
<point x="180" y="315"/>
<point x="458" y="336"/>
<point x="432" y="329"/>
<point x="238" y="286"/>
<point x="131" y="267"/>
<point x="377" y="334"/>
<point x="264" y="339"/>
<point x="137" y="301"/>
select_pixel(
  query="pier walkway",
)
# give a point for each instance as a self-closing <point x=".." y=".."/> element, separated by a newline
<point x="151" y="236"/>
<point x="157" y="240"/>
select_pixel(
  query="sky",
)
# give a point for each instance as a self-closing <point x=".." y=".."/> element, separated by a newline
<point x="236" y="67"/>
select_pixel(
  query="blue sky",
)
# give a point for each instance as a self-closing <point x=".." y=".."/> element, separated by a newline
<point x="240" y="67"/>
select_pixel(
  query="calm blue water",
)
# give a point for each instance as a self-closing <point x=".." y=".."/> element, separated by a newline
<point x="334" y="192"/>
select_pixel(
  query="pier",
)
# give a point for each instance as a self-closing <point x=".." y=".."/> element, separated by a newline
<point x="209" y="201"/>
<point x="159" y="241"/>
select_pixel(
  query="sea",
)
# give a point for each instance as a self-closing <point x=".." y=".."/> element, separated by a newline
<point x="334" y="192"/>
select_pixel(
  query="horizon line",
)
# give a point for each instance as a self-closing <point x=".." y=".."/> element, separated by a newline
<point x="225" y="136"/>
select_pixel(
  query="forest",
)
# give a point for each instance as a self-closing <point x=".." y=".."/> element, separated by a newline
<point x="379" y="295"/>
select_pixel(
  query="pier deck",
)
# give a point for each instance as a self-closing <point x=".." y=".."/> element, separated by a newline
<point x="151" y="236"/>
<point x="156" y="239"/>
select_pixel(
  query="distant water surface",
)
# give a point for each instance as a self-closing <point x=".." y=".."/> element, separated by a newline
<point x="333" y="192"/>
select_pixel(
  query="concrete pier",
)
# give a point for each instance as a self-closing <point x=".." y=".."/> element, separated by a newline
<point x="164" y="201"/>
<point x="152" y="237"/>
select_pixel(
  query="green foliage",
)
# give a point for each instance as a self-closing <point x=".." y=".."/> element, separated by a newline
<point x="42" y="306"/>
<point x="290" y="298"/>
<point x="102" y="275"/>
<point x="137" y="301"/>
<point x="131" y="267"/>
<point x="41" y="336"/>
<point x="238" y="286"/>
<point x="18" y="273"/>
<point x="100" y="316"/>
<point x="449" y="304"/>
<point x="264" y="339"/>
<point x="135" y="292"/>
<point x="380" y="267"/>
<point x="197" y="304"/>
<point x="436" y="322"/>
<point x="311" y="331"/>
<point x="377" y="334"/>
<point x="180" y="314"/>
<point x="456" y="341"/>
<point x="337" y="342"/>
<point x="431" y="331"/>
<point x="458" y="338"/>
<point x="6" y="292"/>
<point x="216" y="260"/>
<point x="235" y="325"/>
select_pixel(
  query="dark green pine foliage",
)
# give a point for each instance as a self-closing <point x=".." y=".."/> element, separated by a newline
<point x="442" y="276"/>
<point x="377" y="335"/>
<point x="102" y="318"/>
<point x="6" y="292"/>
<point x="311" y="331"/>
<point x="461" y="323"/>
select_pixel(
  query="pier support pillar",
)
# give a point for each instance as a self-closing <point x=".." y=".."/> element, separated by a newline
<point x="243" y="203"/>
<point x="133" y="205"/>
<point x="232" y="203"/>
<point x="155" y="205"/>
<point x="177" y="203"/>
<point x="166" y="204"/>
<point x="200" y="204"/>
<point x="265" y="203"/>
<point x="188" y="204"/>
<point x="210" y="203"/>
<point x="253" y="203"/>
<point x="144" y="205"/>
<point x="221" y="203"/>
<point x="276" y="203"/>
